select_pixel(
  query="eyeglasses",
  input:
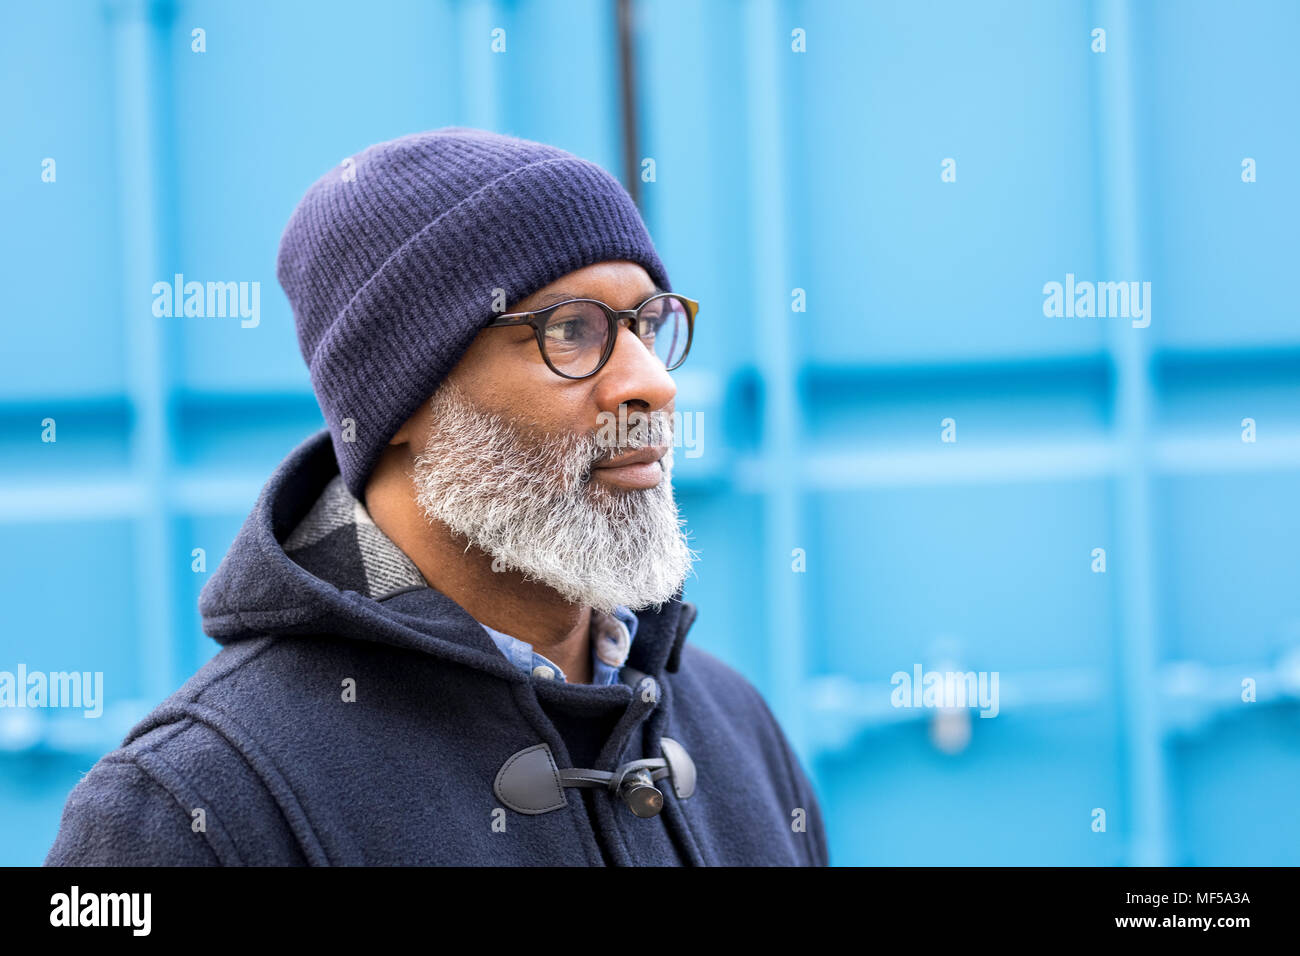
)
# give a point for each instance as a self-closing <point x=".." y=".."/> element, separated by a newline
<point x="577" y="336"/>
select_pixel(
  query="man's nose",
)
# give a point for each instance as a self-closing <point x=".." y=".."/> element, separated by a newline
<point x="633" y="375"/>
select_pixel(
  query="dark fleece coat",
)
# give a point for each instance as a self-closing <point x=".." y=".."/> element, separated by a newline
<point x="332" y="728"/>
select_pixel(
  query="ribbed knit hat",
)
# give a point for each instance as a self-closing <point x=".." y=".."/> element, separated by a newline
<point x="393" y="259"/>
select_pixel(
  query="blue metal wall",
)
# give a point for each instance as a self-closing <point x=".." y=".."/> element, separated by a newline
<point x="774" y="171"/>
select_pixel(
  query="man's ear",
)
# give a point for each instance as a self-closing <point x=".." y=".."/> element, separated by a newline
<point x="404" y="435"/>
<point x="413" y="427"/>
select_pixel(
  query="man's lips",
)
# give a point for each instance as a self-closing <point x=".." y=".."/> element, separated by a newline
<point x="641" y="455"/>
<point x="636" y="469"/>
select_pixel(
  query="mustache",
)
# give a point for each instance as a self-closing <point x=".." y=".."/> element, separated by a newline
<point x="637" y="431"/>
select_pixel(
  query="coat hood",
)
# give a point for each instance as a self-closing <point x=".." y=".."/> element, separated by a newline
<point x="259" y="590"/>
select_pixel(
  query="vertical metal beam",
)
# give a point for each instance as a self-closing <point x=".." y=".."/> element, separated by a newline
<point x="628" y="93"/>
<point x="1133" y="561"/>
<point x="480" y="91"/>
<point x="136" y="29"/>
<point x="770" y="265"/>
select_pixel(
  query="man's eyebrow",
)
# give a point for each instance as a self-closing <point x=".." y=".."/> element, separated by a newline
<point x="550" y="297"/>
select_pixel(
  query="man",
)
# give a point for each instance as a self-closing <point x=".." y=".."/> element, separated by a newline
<point x="452" y="626"/>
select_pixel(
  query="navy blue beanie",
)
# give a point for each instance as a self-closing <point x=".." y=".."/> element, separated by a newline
<point x="393" y="260"/>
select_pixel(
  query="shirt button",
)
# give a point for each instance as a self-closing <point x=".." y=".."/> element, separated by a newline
<point x="544" y="672"/>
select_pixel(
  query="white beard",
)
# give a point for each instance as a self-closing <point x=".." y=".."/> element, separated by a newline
<point x="527" y="499"/>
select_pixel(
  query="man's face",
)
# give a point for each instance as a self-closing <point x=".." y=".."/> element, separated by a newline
<point x="519" y="460"/>
<point x="503" y="371"/>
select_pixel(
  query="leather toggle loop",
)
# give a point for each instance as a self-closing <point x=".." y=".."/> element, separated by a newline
<point x="529" y="782"/>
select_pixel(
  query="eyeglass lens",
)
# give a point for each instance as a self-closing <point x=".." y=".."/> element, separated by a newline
<point x="577" y="333"/>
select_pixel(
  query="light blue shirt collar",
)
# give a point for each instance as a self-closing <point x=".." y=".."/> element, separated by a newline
<point x="611" y="638"/>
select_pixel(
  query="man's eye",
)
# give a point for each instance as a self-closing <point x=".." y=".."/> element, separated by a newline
<point x="576" y="332"/>
<point x="564" y="331"/>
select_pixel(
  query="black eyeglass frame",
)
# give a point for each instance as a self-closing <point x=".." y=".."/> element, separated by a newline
<point x="538" y="319"/>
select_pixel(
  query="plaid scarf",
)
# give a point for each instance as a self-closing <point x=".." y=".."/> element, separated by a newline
<point x="340" y="543"/>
